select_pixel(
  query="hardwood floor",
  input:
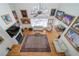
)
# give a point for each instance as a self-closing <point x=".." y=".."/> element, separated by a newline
<point x="51" y="36"/>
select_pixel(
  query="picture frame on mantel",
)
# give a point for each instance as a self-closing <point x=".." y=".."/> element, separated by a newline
<point x="6" y="18"/>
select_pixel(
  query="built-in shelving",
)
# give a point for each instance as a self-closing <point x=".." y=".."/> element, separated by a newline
<point x="70" y="25"/>
<point x="61" y="22"/>
<point x="59" y="48"/>
<point x="72" y="35"/>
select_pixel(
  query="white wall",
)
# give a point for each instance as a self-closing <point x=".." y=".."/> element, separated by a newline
<point x="29" y="6"/>
<point x="70" y="8"/>
<point x="4" y="9"/>
<point x="8" y="42"/>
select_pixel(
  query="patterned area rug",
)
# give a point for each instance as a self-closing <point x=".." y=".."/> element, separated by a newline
<point x="36" y="43"/>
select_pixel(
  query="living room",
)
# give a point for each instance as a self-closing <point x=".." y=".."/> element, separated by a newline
<point x="39" y="29"/>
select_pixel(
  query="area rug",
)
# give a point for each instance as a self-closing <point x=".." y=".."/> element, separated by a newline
<point x="36" y="43"/>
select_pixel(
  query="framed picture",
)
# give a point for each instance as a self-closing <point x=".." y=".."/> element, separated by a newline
<point x="67" y="19"/>
<point x="75" y="26"/>
<point x="7" y="19"/>
<point x="14" y="14"/>
<point x="60" y="14"/>
<point x="24" y="13"/>
<point x="73" y="38"/>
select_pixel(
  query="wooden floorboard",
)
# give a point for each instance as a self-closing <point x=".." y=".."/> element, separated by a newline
<point x="51" y="36"/>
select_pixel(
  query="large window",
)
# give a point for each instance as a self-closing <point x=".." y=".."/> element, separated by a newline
<point x="39" y="22"/>
<point x="38" y="9"/>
